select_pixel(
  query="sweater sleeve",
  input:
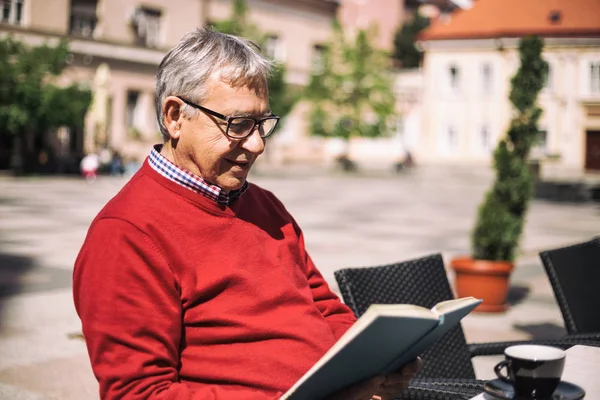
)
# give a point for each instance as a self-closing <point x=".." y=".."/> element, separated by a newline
<point x="129" y="303"/>
<point x="339" y="316"/>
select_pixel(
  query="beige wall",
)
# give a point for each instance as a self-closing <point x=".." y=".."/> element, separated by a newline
<point x="564" y="103"/>
<point x="386" y="15"/>
<point x="468" y="109"/>
<point x="298" y="29"/>
<point x="51" y="16"/>
<point x="298" y="25"/>
<point x="178" y="18"/>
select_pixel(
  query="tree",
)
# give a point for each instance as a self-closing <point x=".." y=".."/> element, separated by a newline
<point x="405" y="51"/>
<point x="281" y="97"/>
<point x="501" y="216"/>
<point x="238" y="23"/>
<point x="30" y="103"/>
<point x="350" y="90"/>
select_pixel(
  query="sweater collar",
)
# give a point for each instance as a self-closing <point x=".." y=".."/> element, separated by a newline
<point x="190" y="181"/>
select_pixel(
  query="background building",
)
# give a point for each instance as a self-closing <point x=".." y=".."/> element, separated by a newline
<point x="452" y="110"/>
<point x="294" y="143"/>
<point x="469" y="61"/>
<point x="116" y="46"/>
<point x="385" y="17"/>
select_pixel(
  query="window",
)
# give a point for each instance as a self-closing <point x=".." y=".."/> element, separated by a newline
<point x="146" y="23"/>
<point x="542" y="142"/>
<point x="486" y="78"/>
<point x="485" y="140"/>
<point x="11" y="11"/>
<point x="273" y="48"/>
<point x="540" y="148"/>
<point x="595" y="77"/>
<point x="451" y="138"/>
<point x="83" y="18"/>
<point x="131" y="108"/>
<point x="454" y="75"/>
<point x="447" y="142"/>
<point x="548" y="82"/>
<point x="318" y="58"/>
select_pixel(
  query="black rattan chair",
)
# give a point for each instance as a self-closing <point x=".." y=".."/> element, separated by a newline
<point x="447" y="368"/>
<point x="448" y="389"/>
<point x="423" y="282"/>
<point x="574" y="274"/>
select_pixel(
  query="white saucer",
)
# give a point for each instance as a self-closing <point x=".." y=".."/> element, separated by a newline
<point x="503" y="390"/>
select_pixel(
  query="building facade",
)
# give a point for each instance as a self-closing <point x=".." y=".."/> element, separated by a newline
<point x="384" y="19"/>
<point x="469" y="62"/>
<point x="294" y="144"/>
<point x="116" y="46"/>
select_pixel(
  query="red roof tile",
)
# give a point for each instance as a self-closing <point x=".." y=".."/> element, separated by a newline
<point x="516" y="18"/>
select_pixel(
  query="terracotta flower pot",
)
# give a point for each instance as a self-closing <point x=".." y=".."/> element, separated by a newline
<point x="483" y="279"/>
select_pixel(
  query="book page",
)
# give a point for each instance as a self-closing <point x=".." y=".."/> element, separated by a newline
<point x="376" y="310"/>
<point x="409" y="310"/>
<point x="447" y="306"/>
<point x="454" y="311"/>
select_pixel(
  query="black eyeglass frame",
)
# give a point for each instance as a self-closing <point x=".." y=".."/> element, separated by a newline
<point x="228" y="119"/>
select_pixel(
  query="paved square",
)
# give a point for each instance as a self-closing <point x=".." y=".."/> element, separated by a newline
<point x="367" y="219"/>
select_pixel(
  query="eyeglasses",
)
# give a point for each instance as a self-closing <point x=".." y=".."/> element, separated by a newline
<point x="240" y="127"/>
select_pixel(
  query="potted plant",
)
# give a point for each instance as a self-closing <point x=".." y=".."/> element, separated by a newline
<point x="501" y="216"/>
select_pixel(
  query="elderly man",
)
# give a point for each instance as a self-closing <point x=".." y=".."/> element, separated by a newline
<point x="193" y="283"/>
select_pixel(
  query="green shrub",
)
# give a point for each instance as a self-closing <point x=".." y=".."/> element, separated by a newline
<point x="501" y="216"/>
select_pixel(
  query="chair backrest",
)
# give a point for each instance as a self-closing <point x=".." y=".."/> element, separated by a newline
<point x="574" y="273"/>
<point x="423" y="282"/>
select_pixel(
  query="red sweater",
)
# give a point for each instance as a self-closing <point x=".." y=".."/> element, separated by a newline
<point x="182" y="298"/>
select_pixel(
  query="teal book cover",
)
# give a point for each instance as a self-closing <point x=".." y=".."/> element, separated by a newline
<point x="383" y="339"/>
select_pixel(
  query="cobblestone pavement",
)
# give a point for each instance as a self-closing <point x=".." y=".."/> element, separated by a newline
<point x="370" y="218"/>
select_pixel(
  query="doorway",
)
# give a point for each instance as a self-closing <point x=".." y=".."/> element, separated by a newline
<point x="592" y="150"/>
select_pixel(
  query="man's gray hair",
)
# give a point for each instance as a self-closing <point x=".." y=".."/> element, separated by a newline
<point x="186" y="68"/>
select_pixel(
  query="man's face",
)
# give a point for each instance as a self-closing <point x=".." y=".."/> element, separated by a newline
<point x="204" y="149"/>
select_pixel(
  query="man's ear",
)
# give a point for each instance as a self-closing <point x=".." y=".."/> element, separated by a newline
<point x="172" y="116"/>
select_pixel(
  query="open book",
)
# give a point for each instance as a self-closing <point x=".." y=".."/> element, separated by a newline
<point x="383" y="339"/>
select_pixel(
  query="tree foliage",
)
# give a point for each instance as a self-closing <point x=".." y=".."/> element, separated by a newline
<point x="281" y="97"/>
<point x="501" y="216"/>
<point x="351" y="88"/>
<point x="31" y="104"/>
<point x="405" y="50"/>
<point x="29" y="100"/>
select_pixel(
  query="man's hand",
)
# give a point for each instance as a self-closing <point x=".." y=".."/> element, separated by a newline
<point x="383" y="387"/>
<point x="397" y="382"/>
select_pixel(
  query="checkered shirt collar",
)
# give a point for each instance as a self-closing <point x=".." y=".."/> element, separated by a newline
<point x="189" y="180"/>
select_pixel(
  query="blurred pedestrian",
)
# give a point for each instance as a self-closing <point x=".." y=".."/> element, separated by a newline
<point x="116" y="164"/>
<point x="105" y="155"/>
<point x="89" y="167"/>
<point x="193" y="283"/>
<point x="407" y="162"/>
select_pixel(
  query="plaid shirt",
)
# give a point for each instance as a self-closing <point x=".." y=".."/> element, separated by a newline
<point x="190" y="181"/>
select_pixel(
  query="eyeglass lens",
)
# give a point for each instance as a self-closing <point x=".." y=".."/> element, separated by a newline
<point x="241" y="126"/>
